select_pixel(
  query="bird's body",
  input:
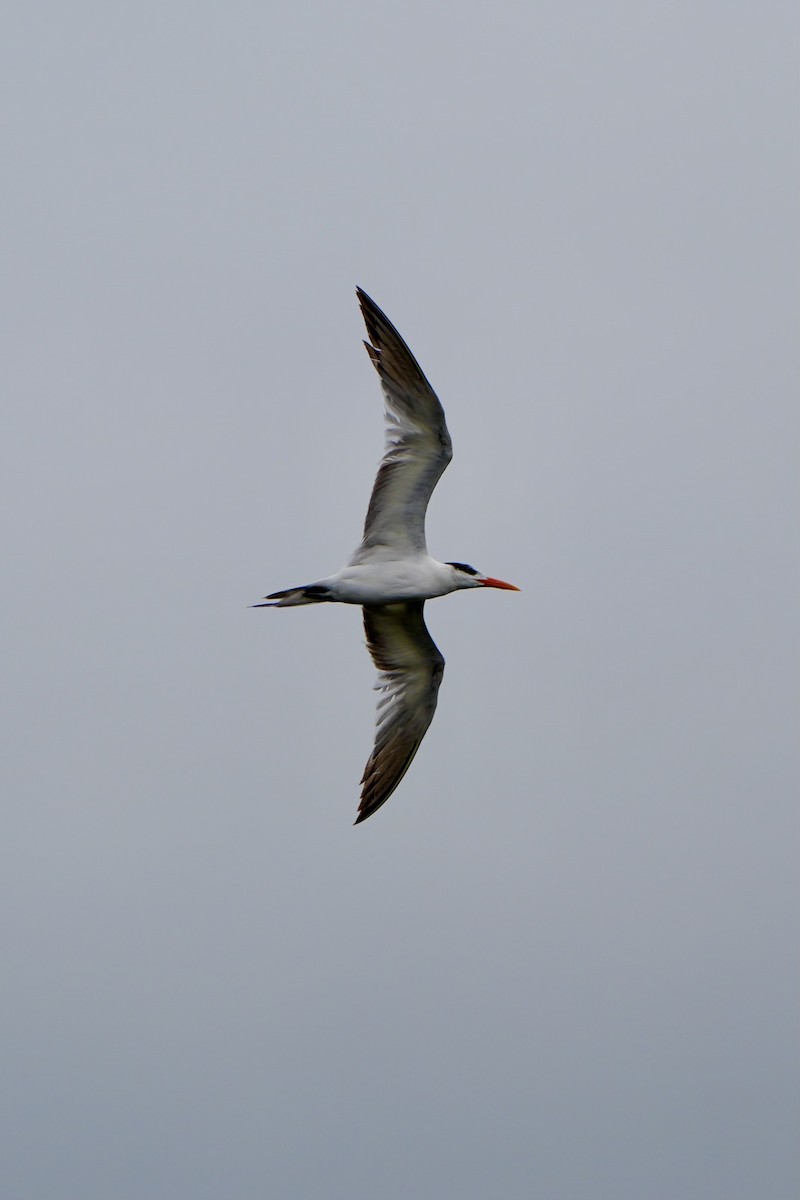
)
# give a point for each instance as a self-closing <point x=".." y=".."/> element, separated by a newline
<point x="386" y="581"/>
<point x="391" y="574"/>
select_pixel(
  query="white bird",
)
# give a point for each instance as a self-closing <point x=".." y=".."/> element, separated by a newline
<point x="391" y="573"/>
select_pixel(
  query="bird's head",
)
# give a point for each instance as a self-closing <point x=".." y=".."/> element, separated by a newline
<point x="465" y="576"/>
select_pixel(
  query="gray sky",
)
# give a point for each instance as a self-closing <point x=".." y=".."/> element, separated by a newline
<point x="562" y="961"/>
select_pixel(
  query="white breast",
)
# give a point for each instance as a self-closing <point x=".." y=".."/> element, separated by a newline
<point x="417" y="578"/>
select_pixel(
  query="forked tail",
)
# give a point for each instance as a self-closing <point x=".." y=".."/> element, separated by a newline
<point x="312" y="593"/>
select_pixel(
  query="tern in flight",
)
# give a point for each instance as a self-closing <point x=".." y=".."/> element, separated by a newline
<point x="391" y="574"/>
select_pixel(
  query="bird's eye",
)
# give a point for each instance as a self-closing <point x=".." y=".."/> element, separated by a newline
<point x="463" y="567"/>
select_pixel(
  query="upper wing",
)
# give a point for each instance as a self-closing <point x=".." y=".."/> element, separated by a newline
<point x="418" y="446"/>
<point x="411" y="670"/>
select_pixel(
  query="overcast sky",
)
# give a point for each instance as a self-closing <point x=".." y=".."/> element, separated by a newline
<point x="562" y="961"/>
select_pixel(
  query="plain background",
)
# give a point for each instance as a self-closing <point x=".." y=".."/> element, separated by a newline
<point x="562" y="961"/>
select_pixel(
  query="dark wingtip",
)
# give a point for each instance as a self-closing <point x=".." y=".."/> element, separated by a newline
<point x="366" y="809"/>
<point x="368" y="307"/>
<point x="390" y="355"/>
<point x="369" y="807"/>
<point x="372" y="314"/>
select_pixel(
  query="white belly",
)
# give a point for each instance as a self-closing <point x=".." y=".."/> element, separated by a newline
<point x="418" y="578"/>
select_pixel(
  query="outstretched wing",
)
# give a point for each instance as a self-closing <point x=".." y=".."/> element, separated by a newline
<point x="411" y="670"/>
<point x="418" y="446"/>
